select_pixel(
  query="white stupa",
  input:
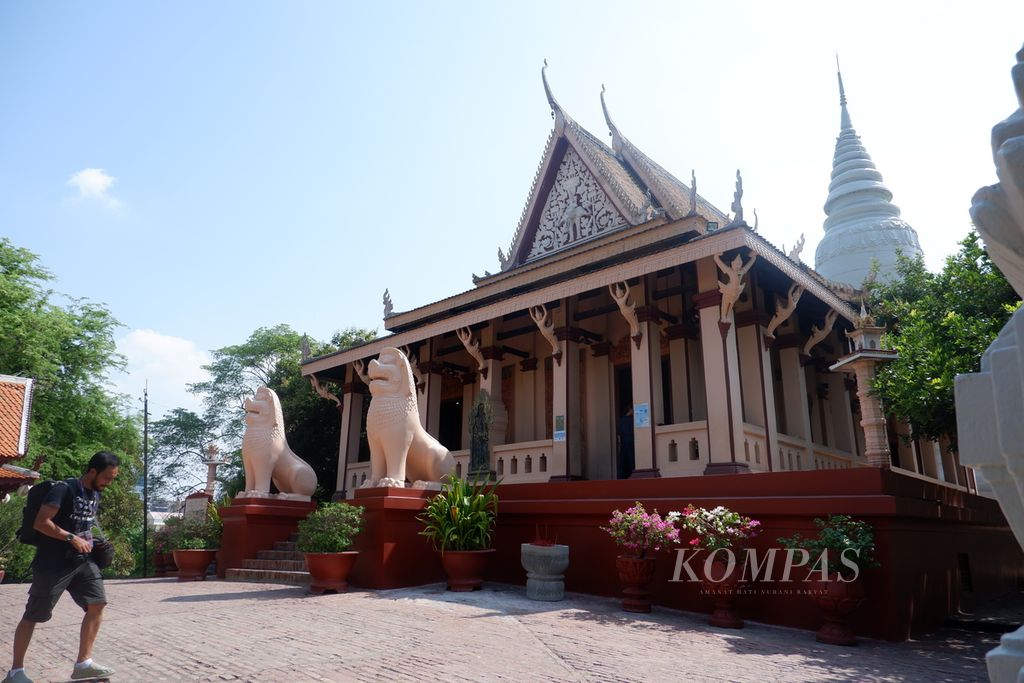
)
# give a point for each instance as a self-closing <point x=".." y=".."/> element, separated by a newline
<point x="862" y="224"/>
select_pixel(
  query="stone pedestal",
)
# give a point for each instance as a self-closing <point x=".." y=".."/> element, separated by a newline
<point x="254" y="524"/>
<point x="392" y="554"/>
<point x="545" y="567"/>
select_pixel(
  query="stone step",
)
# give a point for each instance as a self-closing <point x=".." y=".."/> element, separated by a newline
<point x="280" y="565"/>
<point x="268" y="576"/>
<point x="280" y="555"/>
<point x="285" y="545"/>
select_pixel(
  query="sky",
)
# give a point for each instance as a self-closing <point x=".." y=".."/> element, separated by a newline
<point x="206" y="169"/>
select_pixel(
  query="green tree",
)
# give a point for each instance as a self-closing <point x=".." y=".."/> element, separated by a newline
<point x="179" y="445"/>
<point x="940" y="323"/>
<point x="67" y="346"/>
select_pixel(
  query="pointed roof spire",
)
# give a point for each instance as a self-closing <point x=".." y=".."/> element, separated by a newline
<point x="862" y="224"/>
<point x="612" y="130"/>
<point x="844" y="122"/>
<point x="556" y="110"/>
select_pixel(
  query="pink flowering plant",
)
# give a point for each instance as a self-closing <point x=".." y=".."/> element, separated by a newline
<point x="718" y="528"/>
<point x="641" y="532"/>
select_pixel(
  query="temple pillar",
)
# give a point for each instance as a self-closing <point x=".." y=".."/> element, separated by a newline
<point x="679" y="366"/>
<point x="429" y="398"/>
<point x="351" y="419"/>
<point x="648" y="401"/>
<point x="565" y="400"/>
<point x="490" y="381"/>
<point x="839" y="412"/>
<point x="876" y="442"/>
<point x="468" y="396"/>
<point x="721" y="374"/>
<point x="794" y="392"/>
<point x="758" y="391"/>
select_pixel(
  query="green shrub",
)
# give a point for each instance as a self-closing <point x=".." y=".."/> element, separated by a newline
<point x="203" y="534"/>
<point x="461" y="516"/>
<point x="330" y="529"/>
<point x="837" y="534"/>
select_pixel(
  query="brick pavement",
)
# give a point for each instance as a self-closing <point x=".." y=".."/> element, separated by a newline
<point x="161" y="630"/>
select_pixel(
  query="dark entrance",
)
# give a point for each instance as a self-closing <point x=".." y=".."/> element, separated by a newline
<point x="450" y="424"/>
<point x="625" y="459"/>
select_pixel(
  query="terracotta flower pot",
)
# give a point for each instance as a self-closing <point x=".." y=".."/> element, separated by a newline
<point x="721" y="585"/>
<point x="837" y="599"/>
<point x="634" y="574"/>
<point x="2" y="573"/>
<point x="329" y="571"/>
<point x="192" y="564"/>
<point x="465" y="568"/>
<point x="159" y="564"/>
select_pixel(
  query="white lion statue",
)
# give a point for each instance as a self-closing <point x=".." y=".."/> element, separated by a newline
<point x="266" y="455"/>
<point x="399" y="446"/>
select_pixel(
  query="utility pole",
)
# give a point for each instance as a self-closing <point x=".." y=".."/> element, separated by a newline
<point x="145" y="480"/>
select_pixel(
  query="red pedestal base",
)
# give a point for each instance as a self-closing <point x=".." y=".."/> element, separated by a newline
<point x="254" y="524"/>
<point x="392" y="554"/>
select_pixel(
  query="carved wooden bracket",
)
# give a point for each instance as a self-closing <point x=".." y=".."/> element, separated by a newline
<point x="733" y="287"/>
<point x="322" y="392"/>
<point x="542" y="319"/>
<point x="784" y="309"/>
<point x="620" y="293"/>
<point x="818" y="334"/>
<point x="360" y="369"/>
<point x="465" y="336"/>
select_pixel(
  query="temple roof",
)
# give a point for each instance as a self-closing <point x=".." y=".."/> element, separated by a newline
<point x="584" y="189"/>
<point x="862" y="224"/>
<point x="15" y="411"/>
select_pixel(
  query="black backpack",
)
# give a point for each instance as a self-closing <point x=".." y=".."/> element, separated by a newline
<point x="36" y="495"/>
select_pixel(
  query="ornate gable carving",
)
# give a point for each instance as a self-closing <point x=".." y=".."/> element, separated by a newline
<point x="576" y="210"/>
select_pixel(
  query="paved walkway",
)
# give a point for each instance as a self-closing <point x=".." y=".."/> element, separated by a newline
<point x="162" y="630"/>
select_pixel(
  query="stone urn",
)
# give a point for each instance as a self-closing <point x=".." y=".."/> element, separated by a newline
<point x="837" y="599"/>
<point x="634" y="575"/>
<point x="192" y="564"/>
<point x="545" y="566"/>
<point x="721" y="585"/>
<point x="329" y="571"/>
<point x="465" y="568"/>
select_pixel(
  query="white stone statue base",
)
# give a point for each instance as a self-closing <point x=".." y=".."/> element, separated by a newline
<point x="273" y="496"/>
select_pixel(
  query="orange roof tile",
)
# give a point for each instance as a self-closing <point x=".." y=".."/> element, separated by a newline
<point x="15" y="409"/>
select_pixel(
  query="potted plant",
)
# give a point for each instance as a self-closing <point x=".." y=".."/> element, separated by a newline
<point x="195" y="545"/>
<point x="325" y="537"/>
<point x="459" y="521"/>
<point x="162" y="551"/>
<point x="639" y="535"/>
<point x="843" y="548"/>
<point x="716" y="530"/>
<point x="545" y="563"/>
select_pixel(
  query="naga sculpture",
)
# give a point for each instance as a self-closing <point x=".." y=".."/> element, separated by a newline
<point x="399" y="446"/>
<point x="266" y="455"/>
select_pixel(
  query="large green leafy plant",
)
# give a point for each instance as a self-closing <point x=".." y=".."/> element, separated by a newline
<point x="837" y="535"/>
<point x="195" y="534"/>
<point x="461" y="516"/>
<point x="330" y="529"/>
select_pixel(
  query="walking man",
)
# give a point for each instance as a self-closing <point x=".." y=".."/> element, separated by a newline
<point x="65" y="521"/>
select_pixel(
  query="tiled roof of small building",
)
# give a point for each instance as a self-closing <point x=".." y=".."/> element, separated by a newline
<point x="15" y="409"/>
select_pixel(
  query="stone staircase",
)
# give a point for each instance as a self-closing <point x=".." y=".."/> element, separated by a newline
<point x="284" y="564"/>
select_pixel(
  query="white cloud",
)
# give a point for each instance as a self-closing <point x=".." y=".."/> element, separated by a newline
<point x="167" y="363"/>
<point x="94" y="184"/>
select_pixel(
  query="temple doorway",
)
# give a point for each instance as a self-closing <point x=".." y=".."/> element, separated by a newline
<point x="624" y="454"/>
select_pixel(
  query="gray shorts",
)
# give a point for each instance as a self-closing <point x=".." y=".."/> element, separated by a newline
<point x="83" y="581"/>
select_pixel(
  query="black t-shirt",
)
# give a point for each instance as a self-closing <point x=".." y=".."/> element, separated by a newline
<point x="76" y="514"/>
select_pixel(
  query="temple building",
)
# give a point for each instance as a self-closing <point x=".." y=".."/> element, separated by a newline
<point x="15" y="416"/>
<point x="863" y="226"/>
<point x="628" y="307"/>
